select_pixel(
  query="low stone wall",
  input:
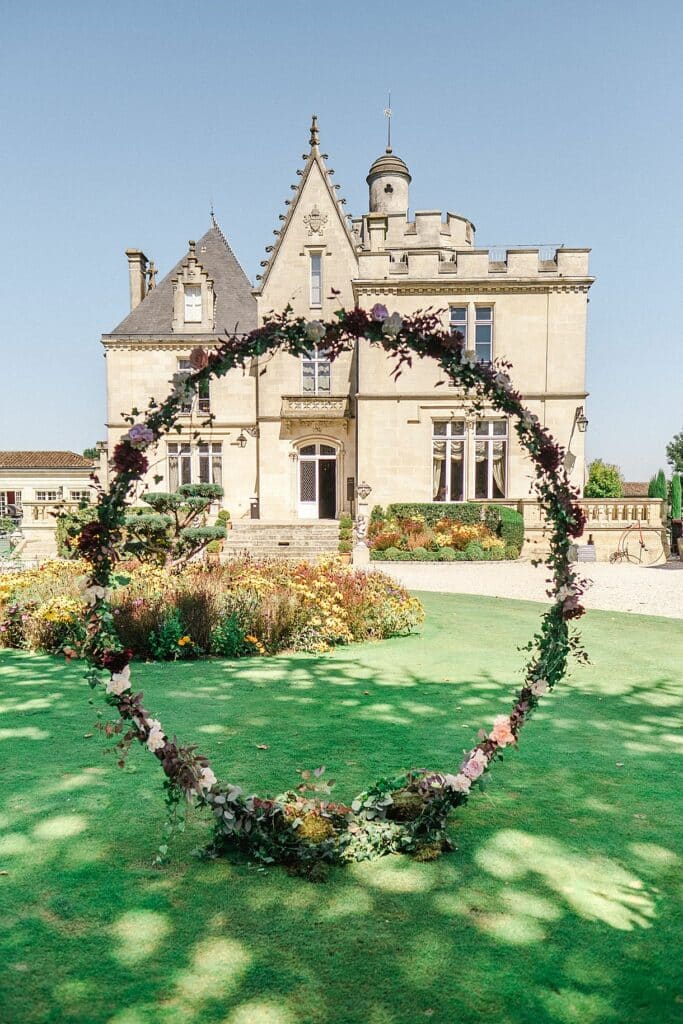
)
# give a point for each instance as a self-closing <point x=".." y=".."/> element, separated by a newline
<point x="606" y="521"/>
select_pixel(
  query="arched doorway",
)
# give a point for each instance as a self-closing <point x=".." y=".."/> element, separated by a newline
<point x="317" y="498"/>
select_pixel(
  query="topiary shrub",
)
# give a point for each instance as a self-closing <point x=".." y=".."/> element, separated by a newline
<point x="511" y="527"/>
<point x="344" y="547"/>
<point x="475" y="553"/>
<point x="419" y="554"/>
<point x="512" y="552"/>
<point x="446" y="554"/>
<point x="676" y="497"/>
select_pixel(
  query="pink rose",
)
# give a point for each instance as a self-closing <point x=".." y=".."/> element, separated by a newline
<point x="538" y="687"/>
<point x="458" y="783"/>
<point x="474" y="766"/>
<point x="501" y="733"/>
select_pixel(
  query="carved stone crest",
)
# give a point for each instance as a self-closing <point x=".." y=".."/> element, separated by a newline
<point x="315" y="221"/>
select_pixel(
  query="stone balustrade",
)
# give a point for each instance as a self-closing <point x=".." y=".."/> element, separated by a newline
<point x="606" y="520"/>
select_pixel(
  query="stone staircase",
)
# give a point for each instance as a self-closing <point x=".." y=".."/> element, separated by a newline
<point x="302" y="542"/>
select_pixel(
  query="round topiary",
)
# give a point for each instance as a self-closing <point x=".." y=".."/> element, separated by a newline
<point x="268" y="828"/>
<point x="446" y="554"/>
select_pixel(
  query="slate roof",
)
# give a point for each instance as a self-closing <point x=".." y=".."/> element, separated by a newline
<point x="635" y="489"/>
<point x="44" y="460"/>
<point x="235" y="305"/>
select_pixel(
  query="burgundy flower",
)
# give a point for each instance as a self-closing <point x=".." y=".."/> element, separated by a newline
<point x="578" y="524"/>
<point x="356" y="322"/>
<point x="572" y="608"/>
<point x="127" y="459"/>
<point x="116" y="661"/>
<point x="549" y="457"/>
<point x="91" y="537"/>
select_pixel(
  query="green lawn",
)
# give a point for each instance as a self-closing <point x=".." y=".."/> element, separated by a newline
<point x="560" y="904"/>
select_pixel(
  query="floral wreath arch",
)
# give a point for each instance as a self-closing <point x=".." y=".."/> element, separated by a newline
<point x="302" y="828"/>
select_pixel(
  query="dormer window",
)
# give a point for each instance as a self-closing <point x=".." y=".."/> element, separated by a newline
<point x="193" y="303"/>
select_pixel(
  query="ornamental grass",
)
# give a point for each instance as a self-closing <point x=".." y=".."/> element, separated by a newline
<point x="239" y="609"/>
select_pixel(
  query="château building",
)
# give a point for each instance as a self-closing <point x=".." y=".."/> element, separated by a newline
<point x="292" y="438"/>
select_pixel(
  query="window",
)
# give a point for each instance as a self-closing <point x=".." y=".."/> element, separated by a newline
<point x="483" y="333"/>
<point x="490" y="459"/>
<point x="204" y="395"/>
<point x="194" y="464"/>
<point x="10" y="504"/>
<point x="448" y="460"/>
<point x="316" y="374"/>
<point x="47" y="496"/>
<point x="316" y="278"/>
<point x="179" y="465"/>
<point x="459" y="321"/>
<point x="80" y="496"/>
<point x="210" y="463"/>
<point x="193" y="303"/>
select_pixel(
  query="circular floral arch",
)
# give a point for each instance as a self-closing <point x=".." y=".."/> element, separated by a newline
<point x="302" y="828"/>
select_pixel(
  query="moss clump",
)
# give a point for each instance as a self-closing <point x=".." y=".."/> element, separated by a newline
<point x="314" y="829"/>
<point x="407" y="806"/>
<point x="428" y="851"/>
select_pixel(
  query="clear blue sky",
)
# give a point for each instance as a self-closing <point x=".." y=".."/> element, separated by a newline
<point x="542" y="121"/>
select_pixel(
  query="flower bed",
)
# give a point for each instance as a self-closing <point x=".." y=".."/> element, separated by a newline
<point x="239" y="609"/>
<point x="444" y="533"/>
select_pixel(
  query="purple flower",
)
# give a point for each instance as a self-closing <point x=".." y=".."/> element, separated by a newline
<point x="140" y="434"/>
<point x="379" y="312"/>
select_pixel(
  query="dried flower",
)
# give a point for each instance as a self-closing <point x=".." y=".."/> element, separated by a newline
<point x="538" y="687"/>
<point x="119" y="682"/>
<point x="315" y="331"/>
<point x="392" y="325"/>
<point x="199" y="358"/>
<point x="127" y="459"/>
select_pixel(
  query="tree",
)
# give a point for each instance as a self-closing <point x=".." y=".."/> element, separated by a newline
<point x="604" y="480"/>
<point x="674" y="452"/>
<point x="91" y="453"/>
<point x="175" y="529"/>
<point x="676" y="497"/>
<point x="657" y="486"/>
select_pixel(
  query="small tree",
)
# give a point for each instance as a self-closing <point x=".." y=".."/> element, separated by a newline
<point x="604" y="480"/>
<point x="657" y="486"/>
<point x="674" y="452"/>
<point x="676" y="497"/>
<point x="175" y="530"/>
<point x="91" y="453"/>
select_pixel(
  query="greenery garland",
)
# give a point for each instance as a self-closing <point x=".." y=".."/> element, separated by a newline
<point x="304" y="829"/>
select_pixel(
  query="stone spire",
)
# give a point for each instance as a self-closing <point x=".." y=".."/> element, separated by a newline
<point x="315" y="134"/>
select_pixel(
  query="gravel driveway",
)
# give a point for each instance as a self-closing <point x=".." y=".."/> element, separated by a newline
<point x="620" y="588"/>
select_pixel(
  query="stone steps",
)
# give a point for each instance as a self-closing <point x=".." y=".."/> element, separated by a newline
<point x="300" y="541"/>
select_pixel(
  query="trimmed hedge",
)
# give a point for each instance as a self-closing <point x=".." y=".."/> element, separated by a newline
<point x="507" y="523"/>
<point x="472" y="553"/>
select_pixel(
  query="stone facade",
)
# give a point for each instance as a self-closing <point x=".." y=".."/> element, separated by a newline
<point x="292" y="438"/>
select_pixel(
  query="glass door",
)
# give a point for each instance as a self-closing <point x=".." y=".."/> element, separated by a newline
<point x="317" y="482"/>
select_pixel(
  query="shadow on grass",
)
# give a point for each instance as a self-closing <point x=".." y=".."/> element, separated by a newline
<point x="558" y="904"/>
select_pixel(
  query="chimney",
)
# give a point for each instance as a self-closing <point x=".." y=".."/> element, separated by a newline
<point x="137" y="275"/>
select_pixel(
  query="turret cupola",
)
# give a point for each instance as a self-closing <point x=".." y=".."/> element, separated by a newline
<point x="388" y="180"/>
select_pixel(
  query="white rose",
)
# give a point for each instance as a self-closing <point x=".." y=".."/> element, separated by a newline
<point x="156" y="739"/>
<point x="538" y="687"/>
<point x="469" y="358"/>
<point x="119" y="682"/>
<point x="207" y="779"/>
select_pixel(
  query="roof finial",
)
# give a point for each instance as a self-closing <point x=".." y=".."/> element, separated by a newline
<point x="213" y="216"/>
<point x="387" y="114"/>
<point x="315" y="135"/>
